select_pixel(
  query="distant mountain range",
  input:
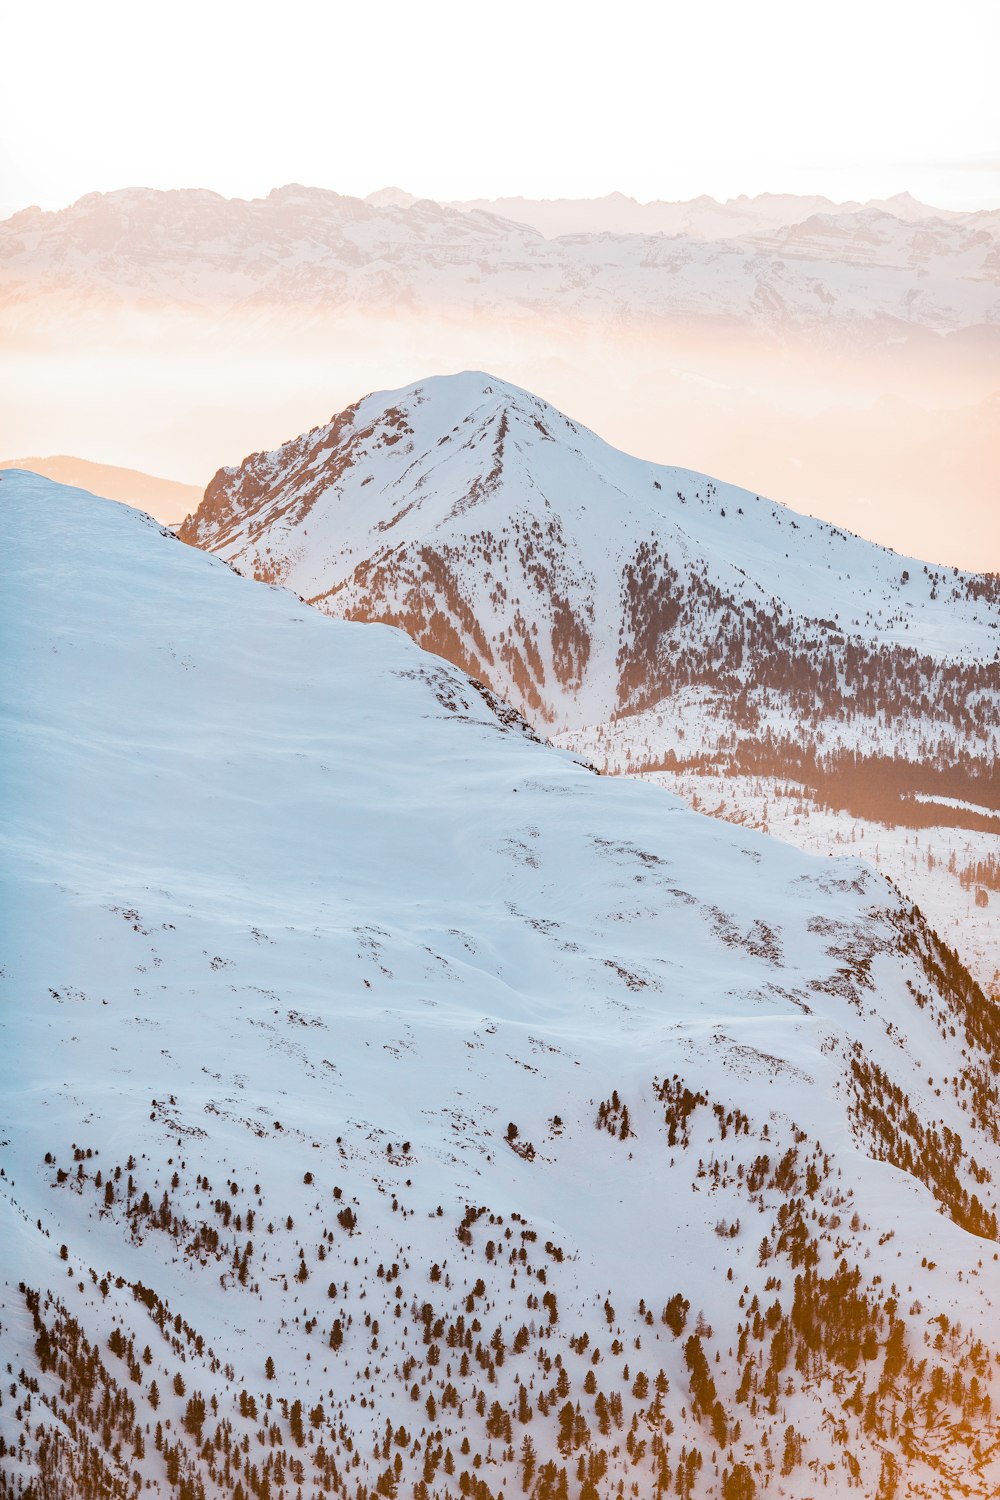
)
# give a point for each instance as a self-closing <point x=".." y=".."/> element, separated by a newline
<point x="703" y="218"/>
<point x="393" y="1107"/>
<point x="859" y="272"/>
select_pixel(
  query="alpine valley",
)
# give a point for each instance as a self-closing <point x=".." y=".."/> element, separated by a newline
<point x="770" y="667"/>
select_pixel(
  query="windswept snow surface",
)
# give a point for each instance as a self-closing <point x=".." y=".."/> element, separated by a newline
<point x="310" y="947"/>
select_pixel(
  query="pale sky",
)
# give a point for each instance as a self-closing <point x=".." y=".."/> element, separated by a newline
<point x="453" y="99"/>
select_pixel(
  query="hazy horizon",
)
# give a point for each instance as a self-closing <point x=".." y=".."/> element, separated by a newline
<point x="855" y="103"/>
<point x="976" y="203"/>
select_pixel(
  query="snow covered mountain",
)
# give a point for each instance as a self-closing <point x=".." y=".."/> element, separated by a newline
<point x="860" y="273"/>
<point x="587" y="586"/>
<point x="392" y="1106"/>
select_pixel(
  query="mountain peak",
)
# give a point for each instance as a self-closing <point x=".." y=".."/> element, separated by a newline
<point x="391" y="197"/>
<point x="572" y="577"/>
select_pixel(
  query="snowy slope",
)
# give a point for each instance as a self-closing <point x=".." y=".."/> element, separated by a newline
<point x="526" y="1122"/>
<point x="951" y="871"/>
